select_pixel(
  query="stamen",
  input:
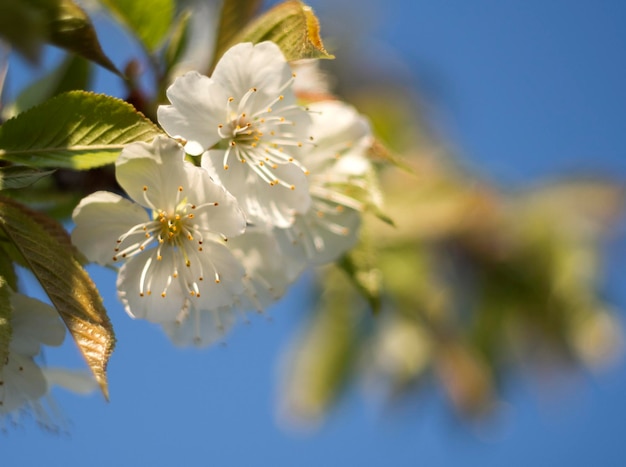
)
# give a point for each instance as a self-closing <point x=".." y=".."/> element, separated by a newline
<point x="142" y="277"/>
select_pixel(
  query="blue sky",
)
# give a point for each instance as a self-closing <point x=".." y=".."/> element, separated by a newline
<point x="524" y="91"/>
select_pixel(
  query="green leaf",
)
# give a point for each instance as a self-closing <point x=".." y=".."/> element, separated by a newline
<point x="361" y="266"/>
<point x="20" y="177"/>
<point x="72" y="74"/>
<point x="5" y="322"/>
<point x="177" y="41"/>
<point x="26" y="24"/>
<point x="76" y="130"/>
<point x="325" y="356"/>
<point x="235" y="15"/>
<point x="293" y="26"/>
<point x="148" y="21"/>
<point x="67" y="284"/>
<point x="71" y="29"/>
<point x="7" y="269"/>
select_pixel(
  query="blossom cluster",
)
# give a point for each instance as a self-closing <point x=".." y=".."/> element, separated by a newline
<point x="248" y="189"/>
<point x="24" y="383"/>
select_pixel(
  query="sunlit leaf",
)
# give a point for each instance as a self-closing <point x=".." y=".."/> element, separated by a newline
<point x="149" y="21"/>
<point x="76" y="130"/>
<point x="293" y="26"/>
<point x="234" y="16"/>
<point x="5" y="322"/>
<point x="67" y="284"/>
<point x="19" y="177"/>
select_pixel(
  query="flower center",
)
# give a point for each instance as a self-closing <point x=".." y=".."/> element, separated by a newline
<point x="265" y="138"/>
<point x="180" y="235"/>
<point x="172" y="226"/>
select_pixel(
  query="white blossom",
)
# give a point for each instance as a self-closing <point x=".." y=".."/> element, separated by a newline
<point x="22" y="381"/>
<point x="338" y="179"/>
<point x="171" y="239"/>
<point x="265" y="281"/>
<point x="245" y="121"/>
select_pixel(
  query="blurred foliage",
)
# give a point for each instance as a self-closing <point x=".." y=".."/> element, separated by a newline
<point x="472" y="282"/>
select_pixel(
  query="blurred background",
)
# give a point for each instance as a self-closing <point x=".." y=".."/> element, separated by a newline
<point x="500" y="342"/>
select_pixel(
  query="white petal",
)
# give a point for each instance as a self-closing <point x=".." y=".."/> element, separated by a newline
<point x="266" y="275"/>
<point x="215" y="263"/>
<point x="337" y="129"/>
<point x="34" y="323"/>
<point x="22" y="381"/>
<point x="199" y="328"/>
<point x="198" y="104"/>
<point x="151" y="173"/>
<point x="100" y="220"/>
<point x="261" y="202"/>
<point x="79" y="382"/>
<point x="226" y="217"/>
<point x="310" y="78"/>
<point x="293" y="254"/>
<point x="142" y="281"/>
<point x="246" y="66"/>
<point x="353" y="165"/>
<point x="327" y="238"/>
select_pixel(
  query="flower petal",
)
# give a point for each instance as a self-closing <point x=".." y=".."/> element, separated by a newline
<point x="221" y="274"/>
<point x="79" y="382"/>
<point x="261" y="66"/>
<point x="217" y="210"/>
<point x="266" y="278"/>
<point x="337" y="129"/>
<point x="328" y="236"/>
<point x="262" y="203"/>
<point x="23" y="381"/>
<point x="199" y="328"/>
<point x="198" y="104"/>
<point x="34" y="323"/>
<point x="147" y="286"/>
<point x="100" y="220"/>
